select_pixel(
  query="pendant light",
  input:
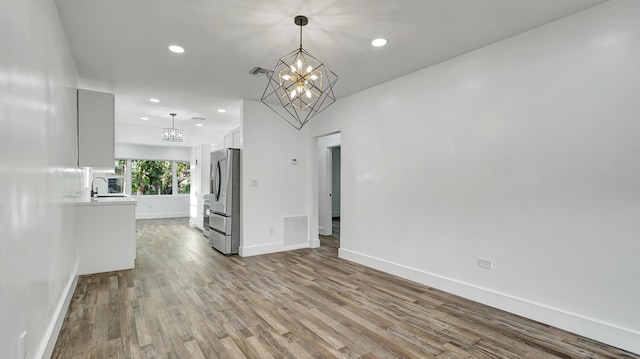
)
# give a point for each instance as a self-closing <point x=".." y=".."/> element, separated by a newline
<point x="172" y="134"/>
<point x="300" y="86"/>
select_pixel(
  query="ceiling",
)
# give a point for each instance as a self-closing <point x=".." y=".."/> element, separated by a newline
<point x="120" y="46"/>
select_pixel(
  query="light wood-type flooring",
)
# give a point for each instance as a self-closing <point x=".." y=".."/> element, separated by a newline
<point x="184" y="300"/>
<point x="335" y="228"/>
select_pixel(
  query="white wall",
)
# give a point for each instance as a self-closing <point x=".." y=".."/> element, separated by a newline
<point x="525" y="153"/>
<point x="195" y="218"/>
<point x="269" y="144"/>
<point x="162" y="206"/>
<point x="146" y="152"/>
<point x="146" y="134"/>
<point x="202" y="172"/>
<point x="38" y="175"/>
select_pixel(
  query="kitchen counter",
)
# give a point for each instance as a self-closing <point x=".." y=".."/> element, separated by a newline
<point x="105" y="232"/>
<point x="100" y="201"/>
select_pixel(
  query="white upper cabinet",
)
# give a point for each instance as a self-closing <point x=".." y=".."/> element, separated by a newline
<point x="96" y="117"/>
<point x="232" y="139"/>
<point x="236" y="139"/>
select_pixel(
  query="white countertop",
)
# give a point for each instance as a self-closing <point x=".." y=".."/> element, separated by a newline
<point x="109" y="201"/>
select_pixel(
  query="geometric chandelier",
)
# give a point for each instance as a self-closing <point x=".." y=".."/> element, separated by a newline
<point x="300" y="86"/>
<point x="172" y="134"/>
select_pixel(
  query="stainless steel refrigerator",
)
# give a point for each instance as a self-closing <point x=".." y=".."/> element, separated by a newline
<point x="224" y="201"/>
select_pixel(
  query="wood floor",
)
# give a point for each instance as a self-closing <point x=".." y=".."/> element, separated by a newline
<point x="185" y="300"/>
<point x="335" y="228"/>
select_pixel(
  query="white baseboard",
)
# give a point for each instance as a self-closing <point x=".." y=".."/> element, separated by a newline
<point x="268" y="248"/>
<point x="193" y="223"/>
<point x="53" y="330"/>
<point x="162" y="215"/>
<point x="314" y="243"/>
<point x="611" y="334"/>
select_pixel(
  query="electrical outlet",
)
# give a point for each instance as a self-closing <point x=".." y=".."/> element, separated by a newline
<point x="254" y="182"/>
<point x="485" y="263"/>
<point x="23" y="345"/>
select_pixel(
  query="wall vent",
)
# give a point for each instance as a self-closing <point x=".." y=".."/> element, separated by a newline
<point x="259" y="71"/>
<point x="197" y="118"/>
<point x="295" y="231"/>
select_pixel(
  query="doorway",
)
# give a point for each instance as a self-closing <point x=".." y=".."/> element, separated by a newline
<point x="329" y="194"/>
<point x="334" y="192"/>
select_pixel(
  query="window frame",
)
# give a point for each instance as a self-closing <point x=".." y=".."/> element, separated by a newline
<point x="177" y="179"/>
<point x="128" y="177"/>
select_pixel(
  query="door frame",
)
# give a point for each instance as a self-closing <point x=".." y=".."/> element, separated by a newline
<point x="321" y="183"/>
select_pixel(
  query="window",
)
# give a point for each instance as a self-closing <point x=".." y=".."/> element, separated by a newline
<point x="183" y="173"/>
<point x="151" y="177"/>
<point x="116" y="182"/>
<point x="120" y="168"/>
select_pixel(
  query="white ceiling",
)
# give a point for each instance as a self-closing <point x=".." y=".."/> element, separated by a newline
<point x="121" y="46"/>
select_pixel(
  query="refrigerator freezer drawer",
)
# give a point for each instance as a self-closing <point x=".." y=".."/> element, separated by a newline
<point x="220" y="223"/>
<point x="220" y="242"/>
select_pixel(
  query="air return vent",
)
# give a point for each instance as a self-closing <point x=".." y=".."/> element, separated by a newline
<point x="197" y="118"/>
<point x="259" y="71"/>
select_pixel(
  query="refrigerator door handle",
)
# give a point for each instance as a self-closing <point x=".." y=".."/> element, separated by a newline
<point x="218" y="181"/>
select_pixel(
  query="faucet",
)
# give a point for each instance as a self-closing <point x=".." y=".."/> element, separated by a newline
<point x="93" y="193"/>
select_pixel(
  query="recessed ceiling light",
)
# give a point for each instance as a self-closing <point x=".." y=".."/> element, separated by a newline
<point x="144" y="118"/>
<point x="177" y="49"/>
<point x="379" y="42"/>
<point x="199" y="124"/>
<point x="154" y="100"/>
<point x="222" y="110"/>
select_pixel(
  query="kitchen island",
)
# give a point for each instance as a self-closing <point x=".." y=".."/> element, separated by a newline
<point x="105" y="231"/>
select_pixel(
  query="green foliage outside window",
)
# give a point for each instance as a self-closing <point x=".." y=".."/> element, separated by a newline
<point x="151" y="177"/>
<point x="120" y="167"/>
<point x="183" y="173"/>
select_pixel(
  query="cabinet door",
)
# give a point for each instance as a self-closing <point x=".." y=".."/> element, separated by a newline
<point x="96" y="133"/>
<point x="236" y="139"/>
<point x="228" y="141"/>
